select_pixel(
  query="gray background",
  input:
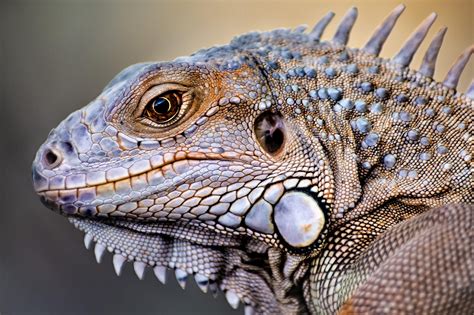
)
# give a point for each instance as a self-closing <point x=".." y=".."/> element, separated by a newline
<point x="56" y="56"/>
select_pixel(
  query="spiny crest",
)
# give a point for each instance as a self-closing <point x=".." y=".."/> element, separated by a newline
<point x="408" y="50"/>
<point x="282" y="39"/>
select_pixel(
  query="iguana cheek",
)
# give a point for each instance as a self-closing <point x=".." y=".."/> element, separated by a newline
<point x="299" y="219"/>
<point x="260" y="217"/>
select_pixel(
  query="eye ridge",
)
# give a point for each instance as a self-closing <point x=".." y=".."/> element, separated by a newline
<point x="164" y="107"/>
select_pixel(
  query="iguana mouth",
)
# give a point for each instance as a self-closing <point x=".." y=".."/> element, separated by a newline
<point x="101" y="198"/>
<point x="156" y="166"/>
<point x="215" y="260"/>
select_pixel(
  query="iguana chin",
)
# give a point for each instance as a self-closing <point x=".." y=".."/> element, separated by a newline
<point x="296" y="175"/>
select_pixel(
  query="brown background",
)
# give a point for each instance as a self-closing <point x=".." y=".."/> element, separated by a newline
<point x="56" y="56"/>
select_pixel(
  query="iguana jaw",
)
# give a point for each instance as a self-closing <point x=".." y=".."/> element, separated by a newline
<point x="220" y="259"/>
<point x="240" y="261"/>
<point x="237" y="265"/>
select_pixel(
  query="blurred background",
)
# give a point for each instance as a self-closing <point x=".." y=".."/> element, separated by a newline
<point x="56" y="56"/>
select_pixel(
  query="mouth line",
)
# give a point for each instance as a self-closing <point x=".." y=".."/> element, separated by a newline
<point x="130" y="189"/>
<point x="163" y="168"/>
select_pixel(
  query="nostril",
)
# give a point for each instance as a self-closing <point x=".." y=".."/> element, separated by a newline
<point x="51" y="158"/>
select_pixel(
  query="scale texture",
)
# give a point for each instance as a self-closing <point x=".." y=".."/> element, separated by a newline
<point x="294" y="174"/>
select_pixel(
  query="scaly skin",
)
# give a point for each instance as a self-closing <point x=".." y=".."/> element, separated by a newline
<point x="296" y="175"/>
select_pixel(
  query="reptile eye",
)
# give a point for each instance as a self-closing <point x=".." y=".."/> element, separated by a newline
<point x="164" y="107"/>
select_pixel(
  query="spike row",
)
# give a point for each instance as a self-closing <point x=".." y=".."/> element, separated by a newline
<point x="203" y="282"/>
<point x="408" y="50"/>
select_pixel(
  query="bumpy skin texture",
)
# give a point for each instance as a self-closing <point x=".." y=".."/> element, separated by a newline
<point x="427" y="257"/>
<point x="297" y="176"/>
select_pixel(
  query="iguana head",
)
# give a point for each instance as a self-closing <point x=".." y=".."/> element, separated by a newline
<point x="193" y="165"/>
<point x="230" y="164"/>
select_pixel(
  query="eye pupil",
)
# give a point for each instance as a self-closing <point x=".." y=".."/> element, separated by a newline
<point x="161" y="105"/>
<point x="163" y="108"/>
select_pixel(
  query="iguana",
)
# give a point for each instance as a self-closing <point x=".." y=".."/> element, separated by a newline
<point x="294" y="174"/>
